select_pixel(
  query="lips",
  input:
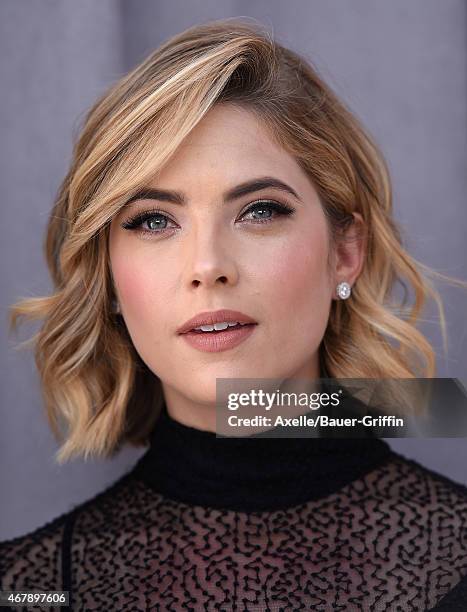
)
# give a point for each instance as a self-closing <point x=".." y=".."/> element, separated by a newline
<point x="218" y="316"/>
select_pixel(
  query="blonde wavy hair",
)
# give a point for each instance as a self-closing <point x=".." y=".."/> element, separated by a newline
<point x="94" y="384"/>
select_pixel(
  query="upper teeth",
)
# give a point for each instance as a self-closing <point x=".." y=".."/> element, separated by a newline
<point x="218" y="326"/>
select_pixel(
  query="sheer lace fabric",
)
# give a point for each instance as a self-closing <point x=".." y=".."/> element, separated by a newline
<point x="393" y="539"/>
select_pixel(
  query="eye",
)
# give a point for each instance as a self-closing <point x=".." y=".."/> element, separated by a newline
<point x="268" y="206"/>
<point x="156" y="222"/>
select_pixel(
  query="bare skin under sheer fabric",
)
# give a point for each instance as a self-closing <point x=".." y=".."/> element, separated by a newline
<point x="204" y="523"/>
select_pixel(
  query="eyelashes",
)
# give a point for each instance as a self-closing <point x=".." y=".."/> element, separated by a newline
<point x="158" y="217"/>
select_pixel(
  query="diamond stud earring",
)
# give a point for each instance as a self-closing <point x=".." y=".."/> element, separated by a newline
<point x="343" y="290"/>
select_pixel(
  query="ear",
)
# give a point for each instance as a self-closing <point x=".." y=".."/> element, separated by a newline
<point x="349" y="252"/>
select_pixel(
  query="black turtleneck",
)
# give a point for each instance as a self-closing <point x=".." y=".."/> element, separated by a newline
<point x="251" y="473"/>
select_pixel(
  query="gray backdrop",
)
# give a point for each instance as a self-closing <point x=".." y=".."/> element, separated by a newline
<point x="400" y="65"/>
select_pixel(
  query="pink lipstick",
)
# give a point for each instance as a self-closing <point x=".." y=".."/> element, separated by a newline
<point x="216" y="331"/>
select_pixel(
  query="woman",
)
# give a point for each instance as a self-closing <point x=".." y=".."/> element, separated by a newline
<point x="222" y="182"/>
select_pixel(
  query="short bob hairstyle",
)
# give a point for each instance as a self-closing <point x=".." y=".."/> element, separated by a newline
<point x="93" y="381"/>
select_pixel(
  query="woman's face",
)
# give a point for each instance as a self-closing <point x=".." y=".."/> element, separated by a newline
<point x="214" y="252"/>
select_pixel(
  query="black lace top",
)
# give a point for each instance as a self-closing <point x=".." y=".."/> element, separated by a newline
<point x="209" y="523"/>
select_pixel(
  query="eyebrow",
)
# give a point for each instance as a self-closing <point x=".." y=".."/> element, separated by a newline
<point x="177" y="197"/>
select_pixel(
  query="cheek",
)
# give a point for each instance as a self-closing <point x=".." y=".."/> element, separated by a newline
<point x="142" y="293"/>
<point x="297" y="276"/>
<point x="143" y="308"/>
<point x="134" y="289"/>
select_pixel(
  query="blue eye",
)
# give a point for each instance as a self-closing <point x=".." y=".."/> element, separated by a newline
<point x="154" y="218"/>
<point x="265" y="205"/>
<point x="157" y="220"/>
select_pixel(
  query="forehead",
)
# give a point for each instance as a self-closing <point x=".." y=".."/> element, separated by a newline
<point x="229" y="145"/>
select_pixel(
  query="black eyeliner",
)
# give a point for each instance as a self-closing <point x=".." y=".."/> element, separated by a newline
<point x="138" y="219"/>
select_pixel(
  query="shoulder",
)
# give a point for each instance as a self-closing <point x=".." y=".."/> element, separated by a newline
<point x="424" y="501"/>
<point x="424" y="515"/>
<point x="42" y="558"/>
<point x="33" y="560"/>
<point x="407" y="480"/>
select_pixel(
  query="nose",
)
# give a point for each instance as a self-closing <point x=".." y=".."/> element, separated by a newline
<point x="208" y="278"/>
<point x="211" y="260"/>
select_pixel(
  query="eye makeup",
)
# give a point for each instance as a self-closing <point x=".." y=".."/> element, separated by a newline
<point x="136" y="222"/>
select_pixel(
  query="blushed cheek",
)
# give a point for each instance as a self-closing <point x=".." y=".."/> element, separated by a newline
<point x="299" y="272"/>
<point x="147" y="296"/>
<point x="299" y="300"/>
<point x="133" y="288"/>
<point x="134" y="280"/>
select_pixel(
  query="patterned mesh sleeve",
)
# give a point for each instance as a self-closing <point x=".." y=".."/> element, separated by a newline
<point x="393" y="540"/>
<point x="34" y="561"/>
